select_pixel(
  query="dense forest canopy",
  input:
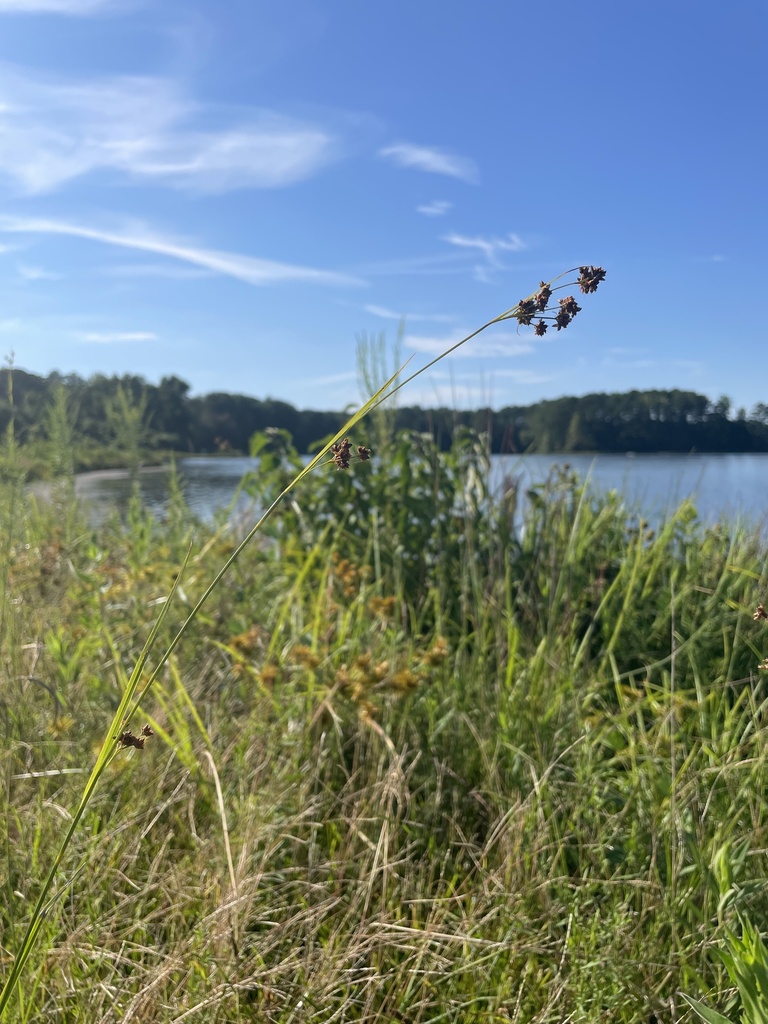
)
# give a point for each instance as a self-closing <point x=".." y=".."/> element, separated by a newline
<point x="639" y="421"/>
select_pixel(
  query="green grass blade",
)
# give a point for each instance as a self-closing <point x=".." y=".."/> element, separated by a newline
<point x="710" y="1016"/>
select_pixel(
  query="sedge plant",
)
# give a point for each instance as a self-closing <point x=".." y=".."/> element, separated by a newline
<point x="535" y="311"/>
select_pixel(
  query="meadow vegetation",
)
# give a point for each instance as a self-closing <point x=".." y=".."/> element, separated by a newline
<point x="427" y="754"/>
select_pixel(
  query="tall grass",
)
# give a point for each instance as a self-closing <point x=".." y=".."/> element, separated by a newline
<point x="409" y="763"/>
<point x="372" y="796"/>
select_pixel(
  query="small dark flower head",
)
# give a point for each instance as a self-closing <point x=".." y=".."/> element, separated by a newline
<point x="590" y="278"/>
<point x="127" y="739"/>
<point x="526" y="312"/>
<point x="760" y="613"/>
<point x="363" y="453"/>
<point x="562" y="320"/>
<point x="543" y="296"/>
<point x="341" y="453"/>
<point x="570" y="306"/>
<point x="540" y="329"/>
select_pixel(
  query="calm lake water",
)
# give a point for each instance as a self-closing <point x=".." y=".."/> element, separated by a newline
<point x="721" y="486"/>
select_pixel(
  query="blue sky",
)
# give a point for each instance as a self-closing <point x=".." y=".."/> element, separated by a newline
<point x="234" y="192"/>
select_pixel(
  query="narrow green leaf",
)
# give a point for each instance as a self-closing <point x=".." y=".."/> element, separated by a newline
<point x="710" y="1016"/>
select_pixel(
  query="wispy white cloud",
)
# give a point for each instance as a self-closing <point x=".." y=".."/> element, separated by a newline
<point x="11" y="324"/>
<point x="77" y="7"/>
<point x="433" y="161"/>
<point x="30" y="273"/>
<point x="115" y="337"/>
<point x="441" y="263"/>
<point x="500" y="345"/>
<point x="55" y="130"/>
<point x="163" y="270"/>
<point x="490" y="247"/>
<point x="482" y="273"/>
<point x="390" y="314"/>
<point x="249" y="269"/>
<point x="437" y="208"/>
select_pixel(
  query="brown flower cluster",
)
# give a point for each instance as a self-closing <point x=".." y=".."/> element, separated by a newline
<point x="348" y="575"/>
<point x="127" y="739"/>
<point x="365" y="675"/>
<point x="252" y="640"/>
<point x="566" y="309"/>
<point x="341" y="453"/>
<point x="590" y="278"/>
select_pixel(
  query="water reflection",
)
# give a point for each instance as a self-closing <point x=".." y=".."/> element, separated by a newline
<point x="209" y="485"/>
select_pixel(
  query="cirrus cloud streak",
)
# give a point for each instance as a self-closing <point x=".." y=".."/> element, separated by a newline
<point x="391" y="314"/>
<point x="433" y="161"/>
<point x="490" y="247"/>
<point x="249" y="269"/>
<point x="76" y="7"/>
<point x="437" y="208"/>
<point x="54" y="130"/>
<point x="115" y="337"/>
<point x="499" y="345"/>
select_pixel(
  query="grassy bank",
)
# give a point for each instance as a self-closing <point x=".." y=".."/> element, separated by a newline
<point x="36" y="462"/>
<point x="410" y="763"/>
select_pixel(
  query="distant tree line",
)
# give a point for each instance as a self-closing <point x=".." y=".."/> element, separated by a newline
<point x="639" y="421"/>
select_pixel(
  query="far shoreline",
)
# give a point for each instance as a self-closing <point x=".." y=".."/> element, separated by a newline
<point x="119" y="473"/>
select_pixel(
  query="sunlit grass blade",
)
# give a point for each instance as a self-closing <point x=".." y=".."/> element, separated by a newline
<point x="706" y="1014"/>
